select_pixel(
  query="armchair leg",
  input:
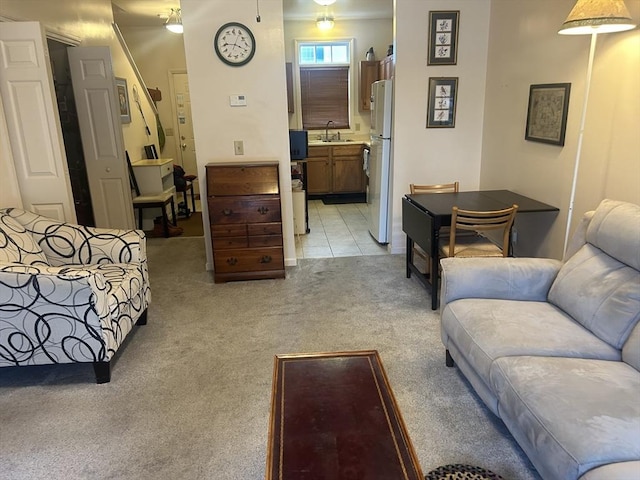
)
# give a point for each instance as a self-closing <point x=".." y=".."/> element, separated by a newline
<point x="102" y="371"/>
<point x="448" y="359"/>
<point x="143" y="318"/>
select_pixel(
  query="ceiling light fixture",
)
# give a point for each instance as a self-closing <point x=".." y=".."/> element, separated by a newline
<point x="174" y="22"/>
<point x="325" y="3"/>
<point x="325" y="22"/>
<point x="591" y="17"/>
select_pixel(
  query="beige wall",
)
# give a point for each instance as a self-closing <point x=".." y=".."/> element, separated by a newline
<point x="436" y="155"/>
<point x="262" y="125"/>
<point x="525" y="49"/>
<point x="157" y="52"/>
<point x="365" y="33"/>
<point x="89" y="23"/>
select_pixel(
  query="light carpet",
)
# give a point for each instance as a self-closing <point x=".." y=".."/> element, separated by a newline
<point x="190" y="392"/>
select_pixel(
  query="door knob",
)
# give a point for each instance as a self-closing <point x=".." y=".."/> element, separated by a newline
<point x="184" y="146"/>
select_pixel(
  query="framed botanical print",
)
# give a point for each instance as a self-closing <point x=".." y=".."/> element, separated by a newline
<point x="441" y="109"/>
<point x="123" y="100"/>
<point x="443" y="37"/>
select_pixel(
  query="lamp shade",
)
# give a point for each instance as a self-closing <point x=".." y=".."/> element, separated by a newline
<point x="325" y="3"/>
<point x="174" y="22"/>
<point x="597" y="16"/>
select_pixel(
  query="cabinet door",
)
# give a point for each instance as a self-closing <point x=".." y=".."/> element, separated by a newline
<point x="318" y="175"/>
<point x="369" y="73"/>
<point x="348" y="175"/>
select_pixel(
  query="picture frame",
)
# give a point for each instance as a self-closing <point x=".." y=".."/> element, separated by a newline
<point x="442" y="102"/>
<point x="547" y="113"/>
<point x="151" y="152"/>
<point x="123" y="100"/>
<point x="443" y="37"/>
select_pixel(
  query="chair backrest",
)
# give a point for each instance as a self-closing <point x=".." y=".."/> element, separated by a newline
<point x="482" y="221"/>
<point x="441" y="188"/>
<point x="132" y="176"/>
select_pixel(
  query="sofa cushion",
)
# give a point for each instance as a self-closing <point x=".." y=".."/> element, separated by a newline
<point x="487" y="329"/>
<point x="631" y="348"/>
<point x="600" y="292"/>
<point x="17" y="245"/>
<point x="569" y="415"/>
<point x="615" y="229"/>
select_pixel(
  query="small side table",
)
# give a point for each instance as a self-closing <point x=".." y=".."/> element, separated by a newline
<point x="461" y="472"/>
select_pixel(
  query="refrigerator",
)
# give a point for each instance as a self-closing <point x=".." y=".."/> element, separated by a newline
<point x="378" y="168"/>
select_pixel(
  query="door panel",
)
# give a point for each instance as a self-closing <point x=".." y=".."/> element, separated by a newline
<point x="101" y="131"/>
<point x="185" y="142"/>
<point x="33" y="123"/>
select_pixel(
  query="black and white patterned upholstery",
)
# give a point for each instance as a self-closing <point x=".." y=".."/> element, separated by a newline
<point x="68" y="293"/>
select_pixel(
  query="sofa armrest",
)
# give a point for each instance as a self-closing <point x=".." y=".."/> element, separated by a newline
<point x="499" y="278"/>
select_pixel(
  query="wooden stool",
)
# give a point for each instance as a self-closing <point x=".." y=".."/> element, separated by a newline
<point x="156" y="201"/>
<point x="188" y="186"/>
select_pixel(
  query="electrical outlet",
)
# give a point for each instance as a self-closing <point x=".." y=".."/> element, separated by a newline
<point x="238" y="147"/>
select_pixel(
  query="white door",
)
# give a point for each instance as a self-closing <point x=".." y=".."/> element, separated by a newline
<point x="33" y="124"/>
<point x="185" y="144"/>
<point x="94" y="89"/>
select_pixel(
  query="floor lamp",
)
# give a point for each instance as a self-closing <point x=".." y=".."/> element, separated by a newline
<point x="591" y="17"/>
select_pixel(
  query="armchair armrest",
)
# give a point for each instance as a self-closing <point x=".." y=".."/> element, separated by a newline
<point x="500" y="278"/>
<point x="65" y="244"/>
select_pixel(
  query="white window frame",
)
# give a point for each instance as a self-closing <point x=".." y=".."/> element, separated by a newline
<point x="353" y="80"/>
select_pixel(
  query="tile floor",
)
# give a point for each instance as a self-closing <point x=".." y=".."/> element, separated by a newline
<point x="337" y="231"/>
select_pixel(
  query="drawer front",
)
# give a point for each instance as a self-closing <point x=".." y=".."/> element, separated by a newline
<point x="230" y="230"/>
<point x="226" y="180"/>
<point x="167" y="169"/>
<point x="318" y="152"/>
<point x="249" y="260"/>
<point x="265" y="241"/>
<point x="224" y="243"/>
<point x="347" y="150"/>
<point x="249" y="209"/>
<point x="265" y="229"/>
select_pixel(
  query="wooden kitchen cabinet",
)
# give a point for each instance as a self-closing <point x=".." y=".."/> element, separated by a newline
<point x="245" y="220"/>
<point x="335" y="169"/>
<point x="369" y="73"/>
<point x="386" y="68"/>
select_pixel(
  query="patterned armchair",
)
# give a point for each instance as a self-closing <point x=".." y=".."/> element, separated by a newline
<point x="68" y="293"/>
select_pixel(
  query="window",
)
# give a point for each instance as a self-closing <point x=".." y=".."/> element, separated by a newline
<point x="324" y="83"/>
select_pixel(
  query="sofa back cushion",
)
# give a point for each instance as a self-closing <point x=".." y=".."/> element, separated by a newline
<point x="615" y="229"/>
<point x="17" y="245"/>
<point x="599" y="286"/>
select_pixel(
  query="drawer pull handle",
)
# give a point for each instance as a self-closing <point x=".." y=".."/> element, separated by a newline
<point x="227" y="211"/>
<point x="265" y="259"/>
<point x="263" y="210"/>
<point x="232" y="260"/>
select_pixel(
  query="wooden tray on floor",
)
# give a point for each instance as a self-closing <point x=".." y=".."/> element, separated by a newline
<point x="334" y="416"/>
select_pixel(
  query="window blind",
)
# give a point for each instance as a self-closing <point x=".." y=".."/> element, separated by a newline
<point x="325" y="97"/>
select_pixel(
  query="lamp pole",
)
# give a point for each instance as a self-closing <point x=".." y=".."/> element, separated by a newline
<point x="576" y="166"/>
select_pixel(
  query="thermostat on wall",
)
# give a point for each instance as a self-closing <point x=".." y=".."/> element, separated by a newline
<point x="238" y="101"/>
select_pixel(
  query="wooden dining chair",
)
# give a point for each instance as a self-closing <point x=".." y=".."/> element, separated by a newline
<point x="478" y="222"/>
<point x="444" y="231"/>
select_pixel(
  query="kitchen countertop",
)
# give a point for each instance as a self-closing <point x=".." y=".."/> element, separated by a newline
<point x="315" y="143"/>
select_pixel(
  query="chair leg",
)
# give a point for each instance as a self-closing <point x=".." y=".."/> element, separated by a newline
<point x="165" y="222"/>
<point x="102" y="371"/>
<point x="140" y="218"/>
<point x="173" y="213"/>
<point x="193" y="198"/>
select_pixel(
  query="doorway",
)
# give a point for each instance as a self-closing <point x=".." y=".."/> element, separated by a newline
<point x="68" y="115"/>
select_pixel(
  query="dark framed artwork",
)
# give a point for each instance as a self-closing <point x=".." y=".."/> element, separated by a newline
<point x="547" y="113"/>
<point x="150" y="151"/>
<point x="441" y="108"/>
<point x="443" y="37"/>
<point x="123" y="100"/>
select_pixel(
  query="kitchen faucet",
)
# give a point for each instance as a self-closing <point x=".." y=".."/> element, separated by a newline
<point x="326" y="131"/>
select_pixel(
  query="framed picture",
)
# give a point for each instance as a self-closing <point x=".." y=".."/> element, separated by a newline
<point x="547" y="113"/>
<point x="441" y="109"/>
<point x="150" y="151"/>
<point x="123" y="100"/>
<point x="443" y="37"/>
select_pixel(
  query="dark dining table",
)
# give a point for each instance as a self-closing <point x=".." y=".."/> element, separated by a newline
<point x="424" y="214"/>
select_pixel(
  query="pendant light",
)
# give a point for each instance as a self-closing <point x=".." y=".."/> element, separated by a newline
<point x="174" y="22"/>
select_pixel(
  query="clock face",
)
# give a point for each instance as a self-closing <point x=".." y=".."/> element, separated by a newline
<point x="234" y="44"/>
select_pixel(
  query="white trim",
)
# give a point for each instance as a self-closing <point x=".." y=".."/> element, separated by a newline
<point x="52" y="33"/>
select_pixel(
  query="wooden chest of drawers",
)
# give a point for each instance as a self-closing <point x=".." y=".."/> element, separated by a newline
<point x="245" y="220"/>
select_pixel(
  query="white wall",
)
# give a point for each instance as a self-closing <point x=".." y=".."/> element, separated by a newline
<point x="262" y="125"/>
<point x="525" y="49"/>
<point x="376" y="33"/>
<point x="436" y="155"/>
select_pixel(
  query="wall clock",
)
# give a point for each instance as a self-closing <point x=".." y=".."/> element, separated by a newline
<point x="234" y="44"/>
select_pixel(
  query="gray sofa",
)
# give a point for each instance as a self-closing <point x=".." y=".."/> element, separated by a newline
<point x="553" y="348"/>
